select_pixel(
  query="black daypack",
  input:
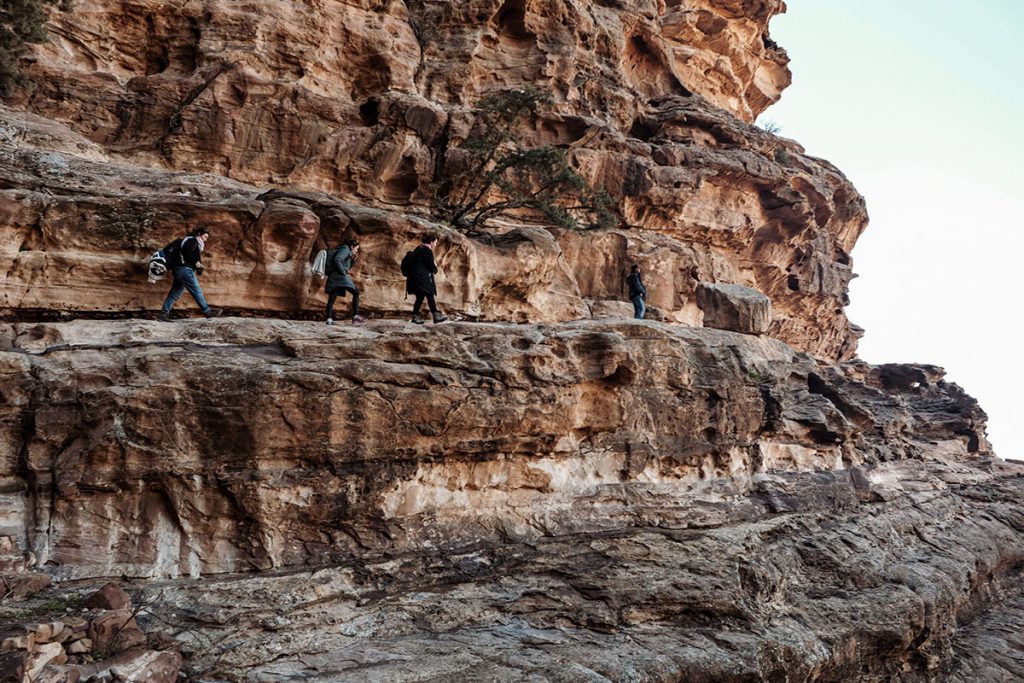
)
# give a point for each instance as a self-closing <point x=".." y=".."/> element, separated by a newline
<point x="329" y="265"/>
<point x="408" y="263"/>
<point x="172" y="254"/>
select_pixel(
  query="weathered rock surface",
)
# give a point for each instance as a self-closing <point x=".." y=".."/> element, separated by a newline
<point x="147" y="449"/>
<point x="576" y="498"/>
<point x="174" y="120"/>
<point x="494" y="502"/>
<point x="878" y="589"/>
<point x="104" y="643"/>
<point x="734" y="307"/>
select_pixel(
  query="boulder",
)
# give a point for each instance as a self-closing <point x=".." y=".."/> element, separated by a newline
<point x="115" y="631"/>
<point x="110" y="597"/>
<point x="21" y="586"/>
<point x="734" y="307"/>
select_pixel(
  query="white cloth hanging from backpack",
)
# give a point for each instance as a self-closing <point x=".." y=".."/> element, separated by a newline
<point x="320" y="264"/>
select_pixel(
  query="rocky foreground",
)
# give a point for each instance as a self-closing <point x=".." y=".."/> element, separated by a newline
<point x="597" y="500"/>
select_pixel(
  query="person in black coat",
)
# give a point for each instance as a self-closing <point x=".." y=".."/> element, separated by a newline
<point x="184" y="260"/>
<point x="421" y="279"/>
<point x="339" y="262"/>
<point x="637" y="292"/>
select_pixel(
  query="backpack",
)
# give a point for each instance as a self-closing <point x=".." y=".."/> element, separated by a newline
<point x="157" y="266"/>
<point x="320" y="263"/>
<point x="172" y="253"/>
<point x="408" y="263"/>
<point x="163" y="260"/>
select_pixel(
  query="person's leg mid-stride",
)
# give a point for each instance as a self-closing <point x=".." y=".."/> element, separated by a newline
<point x="185" y="279"/>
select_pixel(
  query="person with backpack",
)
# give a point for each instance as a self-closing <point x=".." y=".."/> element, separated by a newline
<point x="184" y="260"/>
<point x="419" y="268"/>
<point x="339" y="262"/>
<point x="637" y="292"/>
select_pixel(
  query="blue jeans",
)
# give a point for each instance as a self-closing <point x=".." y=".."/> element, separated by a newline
<point x="185" y="278"/>
<point x="638" y="307"/>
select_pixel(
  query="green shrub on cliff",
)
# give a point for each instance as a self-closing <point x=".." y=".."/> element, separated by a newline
<point x="492" y="174"/>
<point x="21" y="22"/>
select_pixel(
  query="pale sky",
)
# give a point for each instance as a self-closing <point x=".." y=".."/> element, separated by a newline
<point x="921" y="105"/>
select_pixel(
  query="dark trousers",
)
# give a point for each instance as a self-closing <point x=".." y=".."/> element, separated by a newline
<point x="419" y="303"/>
<point x="639" y="308"/>
<point x="341" y="292"/>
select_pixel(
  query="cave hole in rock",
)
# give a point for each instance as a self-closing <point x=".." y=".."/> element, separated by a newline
<point x="369" y="112"/>
<point x="902" y="377"/>
<point x="972" y="439"/>
<point x="793" y="282"/>
<point x="173" y="44"/>
<point x="575" y="128"/>
<point x="565" y="132"/>
<point x="817" y="385"/>
<point x="622" y="376"/>
<point x="823" y="436"/>
<point x="400" y="187"/>
<point x="157" y="59"/>
<point x="510" y="22"/>
<point x="642" y="130"/>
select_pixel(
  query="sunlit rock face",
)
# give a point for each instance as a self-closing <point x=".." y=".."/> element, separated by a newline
<point x="597" y="493"/>
<point x="187" y="117"/>
<point x="166" y="449"/>
<point x="538" y="489"/>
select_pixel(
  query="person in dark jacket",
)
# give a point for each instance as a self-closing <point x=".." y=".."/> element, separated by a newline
<point x="637" y="292"/>
<point x="184" y="260"/>
<point x="421" y="279"/>
<point x="339" y="262"/>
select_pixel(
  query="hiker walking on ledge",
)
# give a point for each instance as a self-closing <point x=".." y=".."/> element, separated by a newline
<point x="184" y="260"/>
<point x="637" y="292"/>
<point x="339" y="262"/>
<point x="420" y="278"/>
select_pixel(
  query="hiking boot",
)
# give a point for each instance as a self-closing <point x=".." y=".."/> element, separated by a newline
<point x="164" y="317"/>
<point x="330" y="321"/>
<point x="438" y="318"/>
<point x="214" y="312"/>
<point x="418" y="320"/>
<point x="357" y="319"/>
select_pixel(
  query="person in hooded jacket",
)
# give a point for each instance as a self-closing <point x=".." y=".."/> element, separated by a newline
<point x="339" y="263"/>
<point x="637" y="292"/>
<point x="184" y="260"/>
<point x="420" y="282"/>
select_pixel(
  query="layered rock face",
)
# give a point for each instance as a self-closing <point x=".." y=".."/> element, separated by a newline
<point x="477" y="492"/>
<point x="543" y="490"/>
<point x="269" y="445"/>
<point x="360" y="101"/>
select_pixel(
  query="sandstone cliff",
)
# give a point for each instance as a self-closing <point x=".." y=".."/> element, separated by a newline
<point x="486" y="502"/>
<point x="542" y="491"/>
<point x="358" y="100"/>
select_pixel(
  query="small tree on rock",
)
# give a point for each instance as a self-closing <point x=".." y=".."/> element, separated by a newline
<point x="21" y="22"/>
<point x="491" y="174"/>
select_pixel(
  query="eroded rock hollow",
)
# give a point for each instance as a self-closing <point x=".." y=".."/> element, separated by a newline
<point x="542" y="489"/>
